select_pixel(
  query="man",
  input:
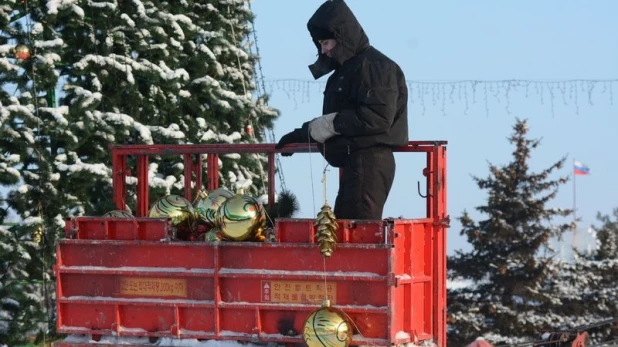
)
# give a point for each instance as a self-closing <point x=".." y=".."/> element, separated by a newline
<point x="364" y="112"/>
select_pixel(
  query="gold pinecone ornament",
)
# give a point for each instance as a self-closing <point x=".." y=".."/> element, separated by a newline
<point x="326" y="230"/>
<point x="37" y="235"/>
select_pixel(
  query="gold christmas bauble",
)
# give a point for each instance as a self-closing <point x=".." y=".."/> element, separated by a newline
<point x="176" y="209"/>
<point x="118" y="214"/>
<point x="327" y="327"/>
<point x="241" y="218"/>
<point x="220" y="192"/>
<point x="207" y="209"/>
<point x="22" y="52"/>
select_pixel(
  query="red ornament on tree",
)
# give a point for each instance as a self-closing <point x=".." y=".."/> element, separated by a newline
<point x="22" y="52"/>
<point x="249" y="129"/>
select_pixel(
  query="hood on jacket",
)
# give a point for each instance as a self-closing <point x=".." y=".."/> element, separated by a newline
<point x="334" y="19"/>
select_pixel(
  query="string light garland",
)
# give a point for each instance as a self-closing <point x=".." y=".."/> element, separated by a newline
<point x="261" y="92"/>
<point x="441" y="94"/>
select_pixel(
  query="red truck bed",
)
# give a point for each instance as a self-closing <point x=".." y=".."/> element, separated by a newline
<point x="126" y="278"/>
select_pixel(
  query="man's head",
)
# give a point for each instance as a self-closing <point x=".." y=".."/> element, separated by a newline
<point x="327" y="46"/>
<point x="332" y="21"/>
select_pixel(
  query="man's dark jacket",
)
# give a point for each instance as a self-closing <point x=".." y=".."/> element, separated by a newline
<point x="367" y="89"/>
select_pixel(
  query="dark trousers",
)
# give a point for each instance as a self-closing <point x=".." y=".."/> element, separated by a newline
<point x="365" y="183"/>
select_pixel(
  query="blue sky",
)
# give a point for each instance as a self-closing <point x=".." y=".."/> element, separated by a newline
<point x="458" y="41"/>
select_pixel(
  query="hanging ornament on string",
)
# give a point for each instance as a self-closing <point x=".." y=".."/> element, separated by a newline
<point x="328" y="327"/>
<point x="21" y="52"/>
<point x="326" y="226"/>
<point x="37" y="235"/>
<point x="326" y="230"/>
<point x="249" y="129"/>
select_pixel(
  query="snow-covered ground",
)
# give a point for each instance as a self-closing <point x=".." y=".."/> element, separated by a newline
<point x="168" y="342"/>
<point x="114" y="340"/>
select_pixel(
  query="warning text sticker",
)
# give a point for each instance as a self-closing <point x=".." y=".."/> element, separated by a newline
<point x="302" y="292"/>
<point x="140" y="286"/>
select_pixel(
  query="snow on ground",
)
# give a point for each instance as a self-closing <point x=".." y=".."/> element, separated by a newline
<point x="168" y="342"/>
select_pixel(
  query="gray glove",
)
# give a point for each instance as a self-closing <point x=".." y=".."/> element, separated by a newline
<point x="322" y="128"/>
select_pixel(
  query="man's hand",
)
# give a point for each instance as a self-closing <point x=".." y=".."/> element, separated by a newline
<point x="291" y="137"/>
<point x="322" y="128"/>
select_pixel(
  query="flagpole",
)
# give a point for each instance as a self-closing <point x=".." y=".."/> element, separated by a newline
<point x="574" y="193"/>
<point x="574" y="206"/>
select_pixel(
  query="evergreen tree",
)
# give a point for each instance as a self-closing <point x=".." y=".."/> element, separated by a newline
<point x="508" y="300"/>
<point x="607" y="236"/>
<point x="136" y="72"/>
<point x="587" y="286"/>
<point x="158" y="73"/>
<point x="30" y="121"/>
<point x="20" y="296"/>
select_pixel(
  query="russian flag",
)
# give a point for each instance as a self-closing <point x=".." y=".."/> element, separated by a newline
<point x="580" y="169"/>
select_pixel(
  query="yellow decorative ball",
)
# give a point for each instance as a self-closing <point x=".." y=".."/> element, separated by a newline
<point x="327" y="327"/>
<point x="207" y="208"/>
<point x="241" y="218"/>
<point x="176" y="209"/>
<point x="220" y="192"/>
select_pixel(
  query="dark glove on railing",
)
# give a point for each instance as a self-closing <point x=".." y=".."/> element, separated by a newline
<point x="295" y="136"/>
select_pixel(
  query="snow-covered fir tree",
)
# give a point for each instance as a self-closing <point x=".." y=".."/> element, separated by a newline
<point x="587" y="285"/>
<point x="21" y="311"/>
<point x="30" y="123"/>
<point x="508" y="300"/>
<point x="158" y="73"/>
<point x="136" y="72"/>
<point x="607" y="236"/>
<point x="221" y="62"/>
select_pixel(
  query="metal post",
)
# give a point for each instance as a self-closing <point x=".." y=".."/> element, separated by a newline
<point x="118" y="179"/>
<point x="271" y="179"/>
<point x="440" y="222"/>
<point x="197" y="171"/>
<point x="188" y="177"/>
<point x="213" y="171"/>
<point x="142" y="185"/>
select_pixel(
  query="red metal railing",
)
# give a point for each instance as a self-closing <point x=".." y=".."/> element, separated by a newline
<point x="436" y="166"/>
